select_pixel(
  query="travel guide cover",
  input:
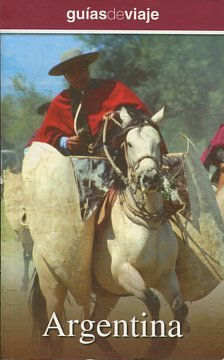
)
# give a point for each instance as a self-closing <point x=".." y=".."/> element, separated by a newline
<point x="112" y="189"/>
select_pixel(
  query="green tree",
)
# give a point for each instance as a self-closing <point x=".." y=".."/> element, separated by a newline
<point x="182" y="71"/>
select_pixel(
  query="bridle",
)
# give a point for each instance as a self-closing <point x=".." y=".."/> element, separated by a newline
<point x="132" y="167"/>
<point x="139" y="210"/>
<point x="136" y="164"/>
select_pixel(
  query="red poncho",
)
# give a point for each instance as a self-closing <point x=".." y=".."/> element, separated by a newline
<point x="216" y="142"/>
<point x="108" y="96"/>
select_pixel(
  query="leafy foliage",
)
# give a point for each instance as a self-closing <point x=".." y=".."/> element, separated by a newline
<point x="182" y="71"/>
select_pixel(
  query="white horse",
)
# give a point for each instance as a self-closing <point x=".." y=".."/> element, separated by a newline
<point x="138" y="249"/>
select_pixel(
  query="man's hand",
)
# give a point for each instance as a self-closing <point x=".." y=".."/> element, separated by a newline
<point x="76" y="146"/>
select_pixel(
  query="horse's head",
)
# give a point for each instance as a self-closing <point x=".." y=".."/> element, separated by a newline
<point x="144" y="157"/>
<point x="143" y="153"/>
<point x="141" y="140"/>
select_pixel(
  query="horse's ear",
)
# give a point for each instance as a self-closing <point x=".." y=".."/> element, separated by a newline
<point x="125" y="117"/>
<point x="158" y="117"/>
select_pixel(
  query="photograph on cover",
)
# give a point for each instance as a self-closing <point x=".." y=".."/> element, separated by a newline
<point x="112" y="194"/>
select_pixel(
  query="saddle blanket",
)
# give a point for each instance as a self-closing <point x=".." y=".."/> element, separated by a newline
<point x="94" y="177"/>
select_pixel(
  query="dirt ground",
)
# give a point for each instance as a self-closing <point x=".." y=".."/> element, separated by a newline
<point x="206" y="317"/>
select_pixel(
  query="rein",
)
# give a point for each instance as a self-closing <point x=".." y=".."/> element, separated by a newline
<point x="114" y="166"/>
<point x="139" y="211"/>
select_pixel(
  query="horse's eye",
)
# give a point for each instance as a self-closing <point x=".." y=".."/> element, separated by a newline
<point x="129" y="144"/>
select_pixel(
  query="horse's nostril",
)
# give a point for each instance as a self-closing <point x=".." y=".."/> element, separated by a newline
<point x="146" y="179"/>
<point x="156" y="178"/>
<point x="149" y="180"/>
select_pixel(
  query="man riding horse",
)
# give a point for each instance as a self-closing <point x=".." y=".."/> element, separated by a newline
<point x="138" y="249"/>
<point x="75" y="116"/>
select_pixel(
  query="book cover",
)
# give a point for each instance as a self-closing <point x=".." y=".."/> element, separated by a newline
<point x="110" y="248"/>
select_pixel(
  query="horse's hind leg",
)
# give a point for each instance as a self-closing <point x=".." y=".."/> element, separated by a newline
<point x="105" y="302"/>
<point x="130" y="279"/>
<point x="169" y="288"/>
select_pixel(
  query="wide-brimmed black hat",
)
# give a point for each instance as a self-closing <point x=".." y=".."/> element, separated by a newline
<point x="73" y="57"/>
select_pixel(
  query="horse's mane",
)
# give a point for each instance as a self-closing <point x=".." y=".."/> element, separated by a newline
<point x="138" y="116"/>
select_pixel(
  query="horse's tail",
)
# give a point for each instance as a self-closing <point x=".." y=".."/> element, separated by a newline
<point x="38" y="309"/>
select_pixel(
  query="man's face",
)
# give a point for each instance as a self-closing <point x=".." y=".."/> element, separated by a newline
<point x="78" y="76"/>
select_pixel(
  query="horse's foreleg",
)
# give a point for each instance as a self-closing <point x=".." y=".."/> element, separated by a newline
<point x="130" y="279"/>
<point x="105" y="302"/>
<point x="169" y="287"/>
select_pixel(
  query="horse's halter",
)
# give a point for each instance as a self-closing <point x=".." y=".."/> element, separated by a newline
<point x="123" y="143"/>
<point x="132" y="167"/>
<point x="136" y="164"/>
<point x="159" y="217"/>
